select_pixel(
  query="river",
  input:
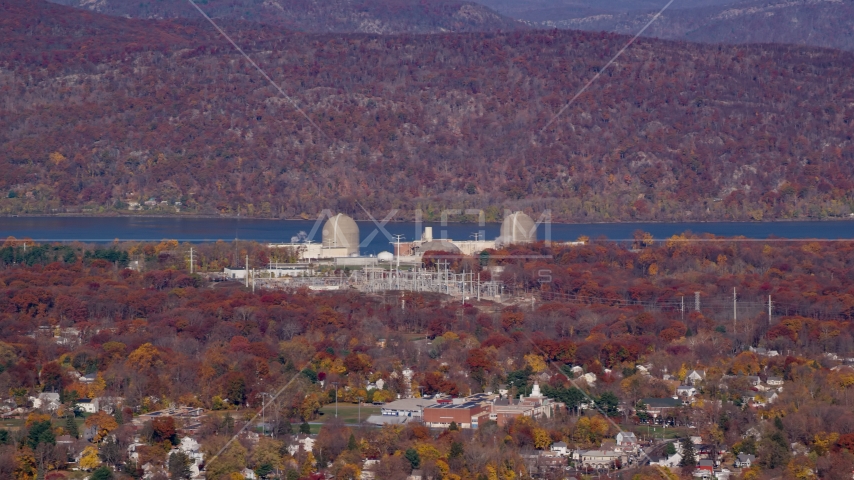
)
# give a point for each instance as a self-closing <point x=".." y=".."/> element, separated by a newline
<point x="374" y="239"/>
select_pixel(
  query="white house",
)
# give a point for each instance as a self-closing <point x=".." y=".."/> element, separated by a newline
<point x="695" y="376"/>
<point x="560" y="448"/>
<point x="88" y="405"/>
<point x="46" y="401"/>
<point x="304" y="442"/>
<point x="192" y="449"/>
<point x="775" y="381"/>
<point x="626" y="439"/>
<point x="686" y="391"/>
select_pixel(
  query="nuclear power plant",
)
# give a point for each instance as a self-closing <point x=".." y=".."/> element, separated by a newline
<point x="518" y="228"/>
<point x="340" y="240"/>
<point x="341" y="231"/>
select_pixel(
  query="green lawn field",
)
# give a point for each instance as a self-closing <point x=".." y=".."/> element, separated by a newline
<point x="347" y="412"/>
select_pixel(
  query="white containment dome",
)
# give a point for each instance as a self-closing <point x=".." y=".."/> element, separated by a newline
<point x="518" y="228"/>
<point x="341" y="231"/>
<point x="385" y="256"/>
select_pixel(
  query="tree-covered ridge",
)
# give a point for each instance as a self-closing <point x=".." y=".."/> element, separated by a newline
<point x="670" y="131"/>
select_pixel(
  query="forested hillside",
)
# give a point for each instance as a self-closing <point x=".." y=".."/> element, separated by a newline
<point x="102" y="111"/>
<point x="365" y="16"/>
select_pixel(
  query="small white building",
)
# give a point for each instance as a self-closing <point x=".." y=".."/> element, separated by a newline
<point x="302" y="442"/>
<point x="695" y="376"/>
<point x="48" y="401"/>
<point x="560" y="448"/>
<point x="626" y="439"/>
<point x="686" y="392"/>
<point x="88" y="405"/>
<point x="775" y="381"/>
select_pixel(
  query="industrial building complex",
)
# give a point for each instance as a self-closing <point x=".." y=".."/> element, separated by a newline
<point x="339" y="250"/>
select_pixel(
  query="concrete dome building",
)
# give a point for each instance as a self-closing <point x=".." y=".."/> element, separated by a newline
<point x="518" y="228"/>
<point x="341" y="231"/>
<point x="440" y="246"/>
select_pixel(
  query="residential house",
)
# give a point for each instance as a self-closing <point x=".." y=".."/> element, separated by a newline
<point x="560" y="448"/>
<point x="753" y="432"/>
<point x="764" y="352"/>
<point x="695" y="376"/>
<point x="775" y="381"/>
<point x="601" y="459"/>
<point x="686" y="392"/>
<point x="88" y="405"/>
<point x="302" y="442"/>
<point x="192" y="449"/>
<point x="744" y="460"/>
<point x="762" y="399"/>
<point x="626" y="439"/>
<point x="48" y="401"/>
<point x="706" y="465"/>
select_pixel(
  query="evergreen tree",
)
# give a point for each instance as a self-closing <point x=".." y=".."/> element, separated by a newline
<point x="352" y="445"/>
<point x="414" y="458"/>
<point x="688" y="459"/>
<point x="456" y="450"/>
<point x="670" y="449"/>
<point x="40" y="432"/>
<point x="453" y="427"/>
<point x="263" y="470"/>
<point x="179" y="465"/>
<point x="102" y="473"/>
<point x="305" y="428"/>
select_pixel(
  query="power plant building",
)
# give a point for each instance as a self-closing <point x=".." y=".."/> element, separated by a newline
<point x="518" y="228"/>
<point x="341" y="231"/>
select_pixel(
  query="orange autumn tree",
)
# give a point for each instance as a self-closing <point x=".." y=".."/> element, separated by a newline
<point x="103" y="424"/>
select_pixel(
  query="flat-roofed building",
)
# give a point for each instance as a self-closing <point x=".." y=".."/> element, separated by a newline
<point x="407" y="407"/>
<point x="465" y="415"/>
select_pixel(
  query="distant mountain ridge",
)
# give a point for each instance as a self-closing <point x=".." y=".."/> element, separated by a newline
<point x="822" y="23"/>
<point x="101" y="113"/>
<point x="327" y="16"/>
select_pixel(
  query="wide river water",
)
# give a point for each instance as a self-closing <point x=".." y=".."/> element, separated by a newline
<point x="374" y="239"/>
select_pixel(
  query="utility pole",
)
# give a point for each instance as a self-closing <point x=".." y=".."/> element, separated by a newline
<point x="247" y="271"/>
<point x="336" y="398"/>
<point x="769" y="310"/>
<point x="360" y="410"/>
<point x="478" y="286"/>
<point x="264" y="411"/>
<point x="683" y="307"/>
<point x="696" y="301"/>
<point x="191" y="260"/>
<point x="397" y="254"/>
<point x="734" y="310"/>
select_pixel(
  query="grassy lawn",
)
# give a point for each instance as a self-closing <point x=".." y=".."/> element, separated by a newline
<point x="347" y="412"/>
<point x="12" y="423"/>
